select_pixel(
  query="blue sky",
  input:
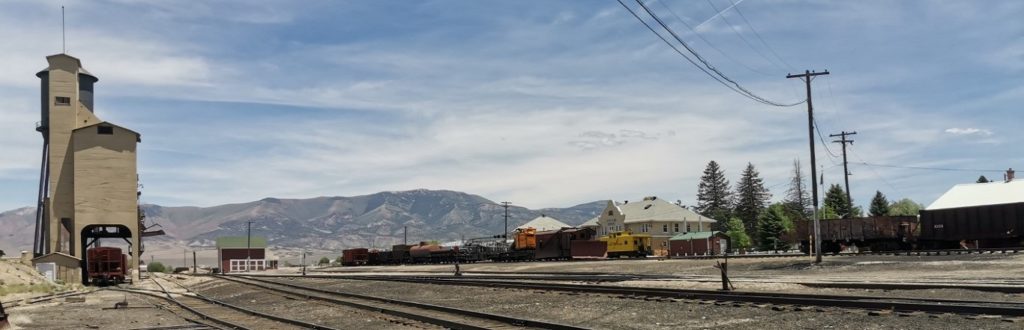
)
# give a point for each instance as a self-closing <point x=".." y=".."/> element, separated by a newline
<point x="541" y="103"/>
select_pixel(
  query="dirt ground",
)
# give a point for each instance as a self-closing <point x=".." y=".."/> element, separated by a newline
<point x="95" y="312"/>
<point x="19" y="281"/>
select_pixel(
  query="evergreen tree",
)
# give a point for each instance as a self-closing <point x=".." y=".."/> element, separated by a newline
<point x="982" y="179"/>
<point x="835" y="198"/>
<point x="905" y="206"/>
<point x="798" y="202"/>
<point x="713" y="195"/>
<point x="879" y="205"/>
<point x="771" y="227"/>
<point x="751" y="197"/>
<point x="738" y="238"/>
<point x="324" y="261"/>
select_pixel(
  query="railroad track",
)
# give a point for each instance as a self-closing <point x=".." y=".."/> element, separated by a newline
<point x="38" y="299"/>
<point x="447" y="317"/>
<point x="965" y="307"/>
<point x="597" y="277"/>
<point x="227" y="316"/>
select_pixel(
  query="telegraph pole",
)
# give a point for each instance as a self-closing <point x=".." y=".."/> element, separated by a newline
<point x="846" y="171"/>
<point x="506" y="205"/>
<point x="807" y="76"/>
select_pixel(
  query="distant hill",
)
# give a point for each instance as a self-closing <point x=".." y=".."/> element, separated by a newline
<point x="375" y="220"/>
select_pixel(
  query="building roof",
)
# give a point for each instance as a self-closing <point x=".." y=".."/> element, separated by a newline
<point x="655" y="209"/>
<point x="696" y="235"/>
<point x="591" y="223"/>
<point x="979" y="194"/>
<point x="543" y="223"/>
<point x="239" y="242"/>
<point x="138" y="137"/>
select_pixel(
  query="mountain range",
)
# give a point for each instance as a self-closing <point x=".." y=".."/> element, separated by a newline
<point x="328" y="223"/>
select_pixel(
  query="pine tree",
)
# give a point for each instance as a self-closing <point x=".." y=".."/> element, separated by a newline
<point x="713" y="195"/>
<point x="771" y="226"/>
<point x="982" y="179"/>
<point x="751" y="197"/>
<point x="738" y="238"/>
<point x="879" y="205"/>
<point x="835" y="198"/>
<point x="798" y="202"/>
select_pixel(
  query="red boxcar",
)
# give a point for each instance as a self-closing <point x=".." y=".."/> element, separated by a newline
<point x="354" y="257"/>
<point x="106" y="265"/>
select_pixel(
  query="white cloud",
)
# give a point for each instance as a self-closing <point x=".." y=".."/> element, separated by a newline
<point x="968" y="131"/>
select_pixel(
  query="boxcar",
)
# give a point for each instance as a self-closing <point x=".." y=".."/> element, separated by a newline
<point x="105" y="265"/>
<point x="354" y="257"/>
<point x="558" y="244"/>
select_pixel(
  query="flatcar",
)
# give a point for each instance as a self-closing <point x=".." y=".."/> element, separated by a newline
<point x="628" y="244"/>
<point x="106" y="265"/>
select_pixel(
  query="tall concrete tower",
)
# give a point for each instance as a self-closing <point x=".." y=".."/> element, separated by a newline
<point x="88" y="185"/>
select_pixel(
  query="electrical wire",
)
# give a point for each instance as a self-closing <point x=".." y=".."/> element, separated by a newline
<point x="718" y="76"/>
<point x="877" y="175"/>
<point x="736" y="7"/>
<point x="930" y="168"/>
<point x="705" y="62"/>
<point x="708" y="42"/>
<point x="737" y="32"/>
<point x="822" y="139"/>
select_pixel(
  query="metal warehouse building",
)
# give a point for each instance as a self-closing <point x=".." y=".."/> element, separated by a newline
<point x="232" y="254"/>
<point x="976" y="215"/>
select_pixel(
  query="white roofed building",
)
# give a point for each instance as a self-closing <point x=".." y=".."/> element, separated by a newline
<point x="657" y="217"/>
<point x="544" y="223"/>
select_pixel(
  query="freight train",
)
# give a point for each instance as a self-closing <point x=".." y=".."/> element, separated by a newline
<point x="976" y="227"/>
<point x="106" y="265"/>
<point x="527" y="245"/>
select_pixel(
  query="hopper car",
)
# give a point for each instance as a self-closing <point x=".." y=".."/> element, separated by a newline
<point x="106" y="265"/>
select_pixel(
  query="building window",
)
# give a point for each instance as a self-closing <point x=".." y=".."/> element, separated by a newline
<point x="687" y="227"/>
<point x="105" y="130"/>
<point x="609" y="212"/>
<point x="676" y="227"/>
<point x="62" y="100"/>
<point x="664" y="228"/>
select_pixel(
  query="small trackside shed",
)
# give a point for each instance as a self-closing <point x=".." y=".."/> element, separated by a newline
<point x="232" y="254"/>
<point x="981" y="215"/>
<point x="698" y="243"/>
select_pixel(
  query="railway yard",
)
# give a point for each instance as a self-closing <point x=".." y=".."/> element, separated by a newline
<point x="845" y="292"/>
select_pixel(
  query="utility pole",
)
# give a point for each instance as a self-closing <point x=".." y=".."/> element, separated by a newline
<point x="846" y="171"/>
<point x="248" y="244"/>
<point x="405" y="235"/>
<point x="807" y="76"/>
<point x="194" y="262"/>
<point x="506" y="205"/>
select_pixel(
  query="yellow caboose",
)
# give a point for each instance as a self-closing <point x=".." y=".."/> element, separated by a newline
<point x="628" y="244"/>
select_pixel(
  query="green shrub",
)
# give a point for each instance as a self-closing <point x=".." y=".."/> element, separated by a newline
<point x="156" y="267"/>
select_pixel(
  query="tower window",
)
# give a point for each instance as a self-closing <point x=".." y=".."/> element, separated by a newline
<point x="105" y="130"/>
<point x="62" y="100"/>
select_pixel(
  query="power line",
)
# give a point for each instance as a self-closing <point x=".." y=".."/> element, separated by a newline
<point x="822" y="139"/>
<point x="930" y="168"/>
<point x="736" y="7"/>
<point x="879" y="176"/>
<point x="708" y="42"/>
<point x="737" y="32"/>
<point x="718" y="75"/>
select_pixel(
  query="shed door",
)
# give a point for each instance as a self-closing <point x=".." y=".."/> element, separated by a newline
<point x="723" y="245"/>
